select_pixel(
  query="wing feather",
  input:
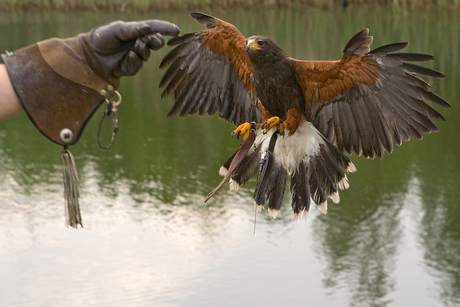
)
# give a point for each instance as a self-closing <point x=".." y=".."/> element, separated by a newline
<point x="390" y="48"/>
<point x="359" y="101"/>
<point x="414" y="108"/>
<point x="209" y="71"/>
<point x="338" y="136"/>
<point x="380" y="135"/>
<point x="411" y="57"/>
<point x="354" y="140"/>
<point x="422" y="70"/>
<point x="363" y="124"/>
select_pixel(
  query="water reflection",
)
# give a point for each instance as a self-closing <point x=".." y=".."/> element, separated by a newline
<point x="149" y="239"/>
<point x="362" y="238"/>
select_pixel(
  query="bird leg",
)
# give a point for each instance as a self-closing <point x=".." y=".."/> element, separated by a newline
<point x="292" y="122"/>
<point x="245" y="128"/>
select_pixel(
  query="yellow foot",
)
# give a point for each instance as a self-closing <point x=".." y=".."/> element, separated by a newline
<point x="244" y="128"/>
<point x="270" y="123"/>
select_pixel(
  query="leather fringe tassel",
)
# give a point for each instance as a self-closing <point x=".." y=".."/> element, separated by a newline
<point x="71" y="191"/>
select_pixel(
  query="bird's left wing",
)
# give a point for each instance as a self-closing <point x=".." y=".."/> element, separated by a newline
<point x="358" y="101"/>
<point x="209" y="71"/>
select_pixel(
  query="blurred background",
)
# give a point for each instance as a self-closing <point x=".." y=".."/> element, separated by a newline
<point x="150" y="240"/>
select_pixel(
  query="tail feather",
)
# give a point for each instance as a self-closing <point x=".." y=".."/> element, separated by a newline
<point x="317" y="170"/>
<point x="327" y="173"/>
<point x="262" y="186"/>
<point x="318" y="182"/>
<point x="276" y="192"/>
<point x="271" y="185"/>
<point x="300" y="190"/>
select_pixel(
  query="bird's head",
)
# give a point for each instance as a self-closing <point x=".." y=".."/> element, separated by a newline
<point x="255" y="43"/>
<point x="261" y="49"/>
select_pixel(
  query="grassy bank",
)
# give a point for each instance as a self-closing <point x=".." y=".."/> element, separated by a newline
<point x="149" y="5"/>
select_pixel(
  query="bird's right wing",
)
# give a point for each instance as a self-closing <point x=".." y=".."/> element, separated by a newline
<point x="209" y="71"/>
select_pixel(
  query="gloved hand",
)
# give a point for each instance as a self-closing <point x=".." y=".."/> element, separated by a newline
<point x="61" y="82"/>
<point x="118" y="49"/>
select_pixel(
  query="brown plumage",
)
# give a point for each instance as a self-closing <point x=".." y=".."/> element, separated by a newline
<point x="357" y="103"/>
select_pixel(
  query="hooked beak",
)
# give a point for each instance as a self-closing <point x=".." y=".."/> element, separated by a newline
<point x="251" y="45"/>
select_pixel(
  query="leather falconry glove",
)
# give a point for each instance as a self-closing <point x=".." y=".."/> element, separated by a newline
<point x="61" y="83"/>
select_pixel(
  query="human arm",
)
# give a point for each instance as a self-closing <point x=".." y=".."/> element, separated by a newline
<point x="9" y="101"/>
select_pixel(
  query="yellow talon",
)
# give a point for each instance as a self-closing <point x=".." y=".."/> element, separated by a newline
<point x="244" y="128"/>
<point x="270" y="123"/>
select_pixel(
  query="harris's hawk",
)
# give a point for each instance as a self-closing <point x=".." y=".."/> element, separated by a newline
<point x="293" y="112"/>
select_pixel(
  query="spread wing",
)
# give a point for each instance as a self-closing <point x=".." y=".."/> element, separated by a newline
<point x="209" y="71"/>
<point x="359" y="101"/>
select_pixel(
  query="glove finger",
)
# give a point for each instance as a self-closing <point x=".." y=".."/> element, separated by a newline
<point x="118" y="31"/>
<point x="142" y="50"/>
<point x="154" y="42"/>
<point x="129" y="66"/>
<point x="132" y="30"/>
<point x="162" y="27"/>
<point x="109" y="36"/>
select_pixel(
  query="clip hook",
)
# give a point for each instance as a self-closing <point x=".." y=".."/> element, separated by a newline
<point x="111" y="109"/>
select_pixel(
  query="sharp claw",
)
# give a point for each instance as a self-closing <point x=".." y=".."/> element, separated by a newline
<point x="269" y="124"/>
<point x="244" y="129"/>
<point x="263" y="124"/>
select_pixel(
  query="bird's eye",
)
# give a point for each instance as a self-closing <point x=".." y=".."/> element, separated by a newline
<point x="260" y="43"/>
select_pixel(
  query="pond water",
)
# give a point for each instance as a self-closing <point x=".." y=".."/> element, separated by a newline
<point x="150" y="240"/>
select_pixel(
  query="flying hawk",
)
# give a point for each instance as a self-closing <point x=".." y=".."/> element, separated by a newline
<point x="292" y="112"/>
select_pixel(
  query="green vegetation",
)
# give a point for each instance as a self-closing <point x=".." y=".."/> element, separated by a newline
<point x="147" y="5"/>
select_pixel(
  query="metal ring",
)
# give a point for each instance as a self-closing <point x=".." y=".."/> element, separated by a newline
<point x="115" y="103"/>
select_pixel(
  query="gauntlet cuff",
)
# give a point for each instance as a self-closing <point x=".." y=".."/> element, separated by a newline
<point x="56" y="99"/>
